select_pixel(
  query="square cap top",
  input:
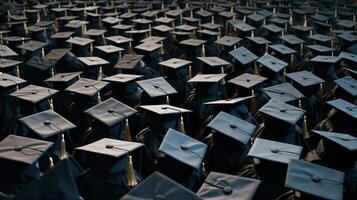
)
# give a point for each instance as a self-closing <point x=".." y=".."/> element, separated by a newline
<point x="273" y="28"/>
<point x="213" y="61"/>
<point x="5" y="51"/>
<point x="159" y="186"/>
<point x="282" y="111"/>
<point x="346" y="23"/>
<point x="247" y="80"/>
<point x="57" y="54"/>
<point x="95" y="32"/>
<point x="315" y="180"/>
<point x="326" y="59"/>
<point x="76" y="24"/>
<point x="272" y="63"/>
<point x="243" y="55"/>
<point x="348" y="37"/>
<point x="183" y="148"/>
<point x="142" y="21"/>
<point x="138" y="32"/>
<point x="274" y="151"/>
<point x="291" y="39"/>
<point x="228" y="41"/>
<point x="174" y="13"/>
<point x="7" y="80"/>
<point x="193" y="42"/>
<point x="123" y="27"/>
<point x="352" y="71"/>
<point x="265" y="13"/>
<point x="35" y="28"/>
<point x="302" y="28"/>
<point x="226" y="14"/>
<point x="129" y="61"/>
<point x="207" y="78"/>
<point x="122" y="78"/>
<point x="110" y="147"/>
<point x="256" y="17"/>
<point x="165" y="109"/>
<point x="244" y="27"/>
<point x="284" y="92"/>
<point x="320" y="17"/>
<point x="47" y="123"/>
<point x="346" y="141"/>
<point x="204" y="13"/>
<point x="153" y="39"/>
<point x="148" y="46"/>
<point x="32" y="45"/>
<point x="110" y="112"/>
<point x="280" y="21"/>
<point x="119" y="39"/>
<point x="6" y="63"/>
<point x="15" y="38"/>
<point x="186" y="27"/>
<point x="345" y="107"/>
<point x="162" y="28"/>
<point x="33" y="93"/>
<point x="93" y="61"/>
<point x="348" y="84"/>
<point x="259" y="40"/>
<point x="233" y="127"/>
<point x="164" y="20"/>
<point x="62" y="35"/>
<point x="217" y="8"/>
<point x="23" y="149"/>
<point x="150" y="13"/>
<point x="111" y="20"/>
<point x="321" y="38"/>
<point x="109" y="48"/>
<point x="175" y="63"/>
<point x="80" y="41"/>
<point x="229" y="101"/>
<point x="305" y="78"/>
<point x="319" y="48"/>
<point x="219" y="186"/>
<point x="211" y="26"/>
<point x="208" y="32"/>
<point x="87" y="87"/>
<point x="282" y="49"/>
<point x="156" y="87"/>
<point x="64" y="77"/>
<point x="42" y="64"/>
<point x="127" y="15"/>
<point x="348" y="56"/>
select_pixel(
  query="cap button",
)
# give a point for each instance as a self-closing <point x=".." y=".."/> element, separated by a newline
<point x="110" y="110"/>
<point x="248" y="80"/>
<point x="282" y="110"/>
<point x="274" y="150"/>
<point x="227" y="190"/>
<point x="315" y="178"/>
<point x="233" y="126"/>
<point x="109" y="146"/>
<point x="47" y="122"/>
<point x="18" y="148"/>
<point x="353" y="86"/>
<point x="184" y="147"/>
<point x="159" y="197"/>
<point x="34" y="92"/>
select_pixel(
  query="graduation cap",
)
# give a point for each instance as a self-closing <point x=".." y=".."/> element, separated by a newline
<point x="153" y="39"/>
<point x="228" y="41"/>
<point x="114" y="149"/>
<point x="148" y="47"/>
<point x="94" y="62"/>
<point x="56" y="54"/>
<point x="272" y="63"/>
<point x="79" y="44"/>
<point x="24" y="150"/>
<point x="322" y="39"/>
<point x="232" y="127"/>
<point x="61" y="81"/>
<point x="315" y="180"/>
<point x="284" y="92"/>
<point x="162" y="28"/>
<point x="344" y="106"/>
<point x="319" y="49"/>
<point x="183" y="148"/>
<point x="164" y="20"/>
<point x="282" y="111"/>
<point x="195" y="43"/>
<point x="157" y="87"/>
<point x="346" y="141"/>
<point x="247" y="80"/>
<point x="8" y="65"/>
<point x="87" y="87"/>
<point x="245" y="29"/>
<point x="9" y="81"/>
<point x="207" y="78"/>
<point x="243" y="55"/>
<point x="347" y="84"/>
<point x="159" y="186"/>
<point x="176" y="64"/>
<point x="32" y="46"/>
<point x="213" y="61"/>
<point x="224" y="186"/>
<point x="5" y="51"/>
<point x="111" y="112"/>
<point x="305" y="79"/>
<point x="129" y="61"/>
<point x="351" y="57"/>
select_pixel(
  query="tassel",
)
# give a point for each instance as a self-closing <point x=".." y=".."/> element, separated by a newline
<point x="252" y="34"/>
<point x="181" y="19"/>
<point x="50" y="163"/>
<point x="253" y="104"/>
<point x="266" y="49"/>
<point x="282" y="33"/>
<point x="52" y="72"/>
<point x="203" y="51"/>
<point x="244" y="18"/>
<point x="284" y="75"/>
<point x="305" y="21"/>
<point x="17" y="71"/>
<point x="99" y="100"/>
<point x="274" y="11"/>
<point x="127" y="130"/>
<point x="212" y="19"/>
<point x="306" y="134"/>
<point x="181" y="126"/>
<point x="203" y="167"/>
<point x="91" y="49"/>
<point x="189" y="75"/>
<point x="223" y="81"/>
<point x="162" y="6"/>
<point x="286" y="27"/>
<point x="63" y="149"/>
<point x="291" y="21"/>
<point x="43" y="52"/>
<point x="256" y="70"/>
<point x="100" y="73"/>
<point x="167" y="100"/>
<point x="310" y="32"/>
<point x="162" y="51"/>
<point x="131" y="173"/>
<point x="150" y="30"/>
<point x="264" y="22"/>
<point x="51" y="104"/>
<point x="301" y="49"/>
<point x="321" y="91"/>
<point x="292" y="61"/>
<point x="130" y="47"/>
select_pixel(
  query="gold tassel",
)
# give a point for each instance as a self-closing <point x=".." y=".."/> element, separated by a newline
<point x="43" y="52"/>
<point x="244" y="18"/>
<point x="162" y="6"/>
<point x="50" y="163"/>
<point x="203" y="51"/>
<point x="291" y="21"/>
<point x="274" y="11"/>
<point x="17" y="71"/>
<point x="306" y="134"/>
<point x="63" y="149"/>
<point x="98" y="98"/>
<point x="131" y="173"/>
<point x="130" y="47"/>
<point x="100" y="73"/>
<point x="52" y="72"/>
<point x="286" y="27"/>
<point x="127" y="130"/>
<point x="321" y="91"/>
<point x="282" y="33"/>
<point x="181" y="19"/>
<point x="51" y="104"/>
<point x="305" y="21"/>
<point x="301" y="49"/>
<point x="223" y="81"/>
<point x="167" y="100"/>
<point x="189" y="75"/>
<point x="212" y="19"/>
<point x="252" y="34"/>
<point x="253" y="104"/>
<point x="181" y="126"/>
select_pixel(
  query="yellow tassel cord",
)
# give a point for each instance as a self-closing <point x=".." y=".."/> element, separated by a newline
<point x="189" y="75"/>
<point x="305" y="21"/>
<point x="266" y="49"/>
<point x="253" y="104"/>
<point x="100" y="73"/>
<point x="223" y="81"/>
<point x="252" y="34"/>
<point x="244" y="18"/>
<point x="43" y="52"/>
<point x="130" y="48"/>
<point x="63" y="149"/>
<point x="50" y="163"/>
<point x="203" y="51"/>
<point x="167" y="100"/>
<point x="181" y="126"/>
<point x="99" y="100"/>
<point x="131" y="173"/>
<point x="301" y="49"/>
<point x="306" y="134"/>
<point x="291" y="21"/>
<point x="91" y="49"/>
<point x="50" y="101"/>
<point x="17" y="71"/>
<point x="127" y="130"/>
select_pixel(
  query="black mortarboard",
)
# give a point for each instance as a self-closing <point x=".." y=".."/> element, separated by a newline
<point x="213" y="61"/>
<point x="80" y="41"/>
<point x="32" y="46"/>
<point x="320" y="49"/>
<point x="6" y="63"/>
<point x="247" y="80"/>
<point x="7" y="81"/>
<point x="282" y="49"/>
<point x="56" y="54"/>
<point x="233" y="127"/>
<point x="33" y="93"/>
<point x="305" y="78"/>
<point x="282" y="111"/>
<point x="348" y="84"/>
<point x="158" y="186"/>
<point x="219" y="186"/>
<point x="228" y="41"/>
<point x="315" y="180"/>
<point x="344" y="106"/>
<point x="175" y="63"/>
<point x="272" y="63"/>
<point x="129" y="61"/>
<point x="156" y="87"/>
<point x="284" y="92"/>
<point x="207" y="78"/>
<point x="291" y="39"/>
<point x="346" y="141"/>
<point x="5" y="51"/>
<point x="87" y="87"/>
<point x="61" y="81"/>
<point x="243" y="55"/>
